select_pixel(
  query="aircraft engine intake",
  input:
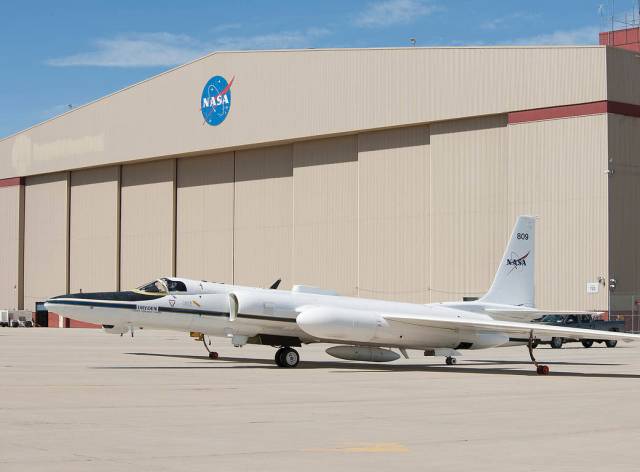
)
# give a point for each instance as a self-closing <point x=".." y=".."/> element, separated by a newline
<point x="340" y="324"/>
<point x="247" y="303"/>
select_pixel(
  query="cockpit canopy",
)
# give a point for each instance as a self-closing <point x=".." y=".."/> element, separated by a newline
<point x="164" y="285"/>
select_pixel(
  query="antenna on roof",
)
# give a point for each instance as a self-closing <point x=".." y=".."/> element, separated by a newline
<point x="622" y="31"/>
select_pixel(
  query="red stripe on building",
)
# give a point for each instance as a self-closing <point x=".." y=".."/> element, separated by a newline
<point x="567" y="111"/>
<point x="71" y="323"/>
<point x="626" y="109"/>
<point x="551" y="113"/>
<point x="12" y="182"/>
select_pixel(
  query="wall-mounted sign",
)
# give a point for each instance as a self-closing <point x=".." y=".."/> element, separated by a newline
<point x="593" y="287"/>
<point x="216" y="100"/>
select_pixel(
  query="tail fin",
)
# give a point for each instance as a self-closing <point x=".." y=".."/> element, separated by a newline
<point x="514" y="280"/>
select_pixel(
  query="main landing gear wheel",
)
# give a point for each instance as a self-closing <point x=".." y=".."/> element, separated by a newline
<point x="212" y="354"/>
<point x="287" y="357"/>
<point x="451" y="360"/>
<point x="556" y="343"/>
<point x="587" y="343"/>
<point x="540" y="369"/>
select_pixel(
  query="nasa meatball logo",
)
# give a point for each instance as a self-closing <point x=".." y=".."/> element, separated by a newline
<point x="216" y="100"/>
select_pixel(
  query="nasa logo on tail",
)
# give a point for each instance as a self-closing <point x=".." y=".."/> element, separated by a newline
<point x="216" y="100"/>
<point x="516" y="262"/>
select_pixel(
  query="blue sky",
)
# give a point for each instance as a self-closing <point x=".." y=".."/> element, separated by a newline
<point x="56" y="53"/>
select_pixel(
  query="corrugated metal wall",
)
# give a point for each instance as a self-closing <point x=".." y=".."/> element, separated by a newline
<point x="419" y="214"/>
<point x="557" y="172"/>
<point x="45" y="237"/>
<point x="325" y="213"/>
<point x="313" y="93"/>
<point x="205" y="217"/>
<point x="11" y="204"/>
<point x="622" y="68"/>
<point x="147" y="222"/>
<point x="263" y="225"/>
<point x="468" y="205"/>
<point x="93" y="231"/>
<point x="394" y="188"/>
<point x="624" y="211"/>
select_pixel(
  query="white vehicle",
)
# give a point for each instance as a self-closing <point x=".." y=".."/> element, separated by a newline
<point x="18" y="320"/>
<point x="4" y="318"/>
<point x="366" y="329"/>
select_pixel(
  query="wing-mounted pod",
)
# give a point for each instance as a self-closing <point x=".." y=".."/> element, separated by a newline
<point x="340" y="323"/>
<point x="363" y="353"/>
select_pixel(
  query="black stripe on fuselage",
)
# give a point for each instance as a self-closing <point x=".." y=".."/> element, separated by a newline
<point x="128" y="296"/>
<point x="166" y="309"/>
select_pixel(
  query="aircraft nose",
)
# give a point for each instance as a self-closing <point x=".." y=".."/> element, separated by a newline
<point x="52" y="301"/>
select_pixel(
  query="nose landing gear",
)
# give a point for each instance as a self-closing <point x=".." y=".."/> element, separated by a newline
<point x="451" y="360"/>
<point x="287" y="357"/>
<point x="540" y="368"/>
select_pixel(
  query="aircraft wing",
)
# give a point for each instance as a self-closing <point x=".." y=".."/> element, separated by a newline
<point x="513" y="329"/>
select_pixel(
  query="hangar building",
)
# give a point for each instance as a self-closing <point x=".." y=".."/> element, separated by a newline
<point x="392" y="173"/>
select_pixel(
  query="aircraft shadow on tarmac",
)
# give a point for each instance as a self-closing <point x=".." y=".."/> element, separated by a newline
<point x="475" y="366"/>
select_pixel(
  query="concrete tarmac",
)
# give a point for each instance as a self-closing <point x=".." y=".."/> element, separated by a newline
<point x="83" y="400"/>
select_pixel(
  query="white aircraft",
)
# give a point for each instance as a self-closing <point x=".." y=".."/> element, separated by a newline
<point x="365" y="329"/>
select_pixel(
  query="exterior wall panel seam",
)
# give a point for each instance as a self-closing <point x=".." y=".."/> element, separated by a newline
<point x="21" y="247"/>
<point x="119" y="231"/>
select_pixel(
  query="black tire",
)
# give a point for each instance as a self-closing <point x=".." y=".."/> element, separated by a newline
<point x="290" y="358"/>
<point x="556" y="343"/>
<point x="535" y="344"/>
<point x="587" y="343"/>
<point x="278" y="357"/>
<point x="611" y="343"/>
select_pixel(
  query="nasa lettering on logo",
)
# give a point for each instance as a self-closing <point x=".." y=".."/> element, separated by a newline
<point x="216" y="100"/>
<point x="516" y="262"/>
